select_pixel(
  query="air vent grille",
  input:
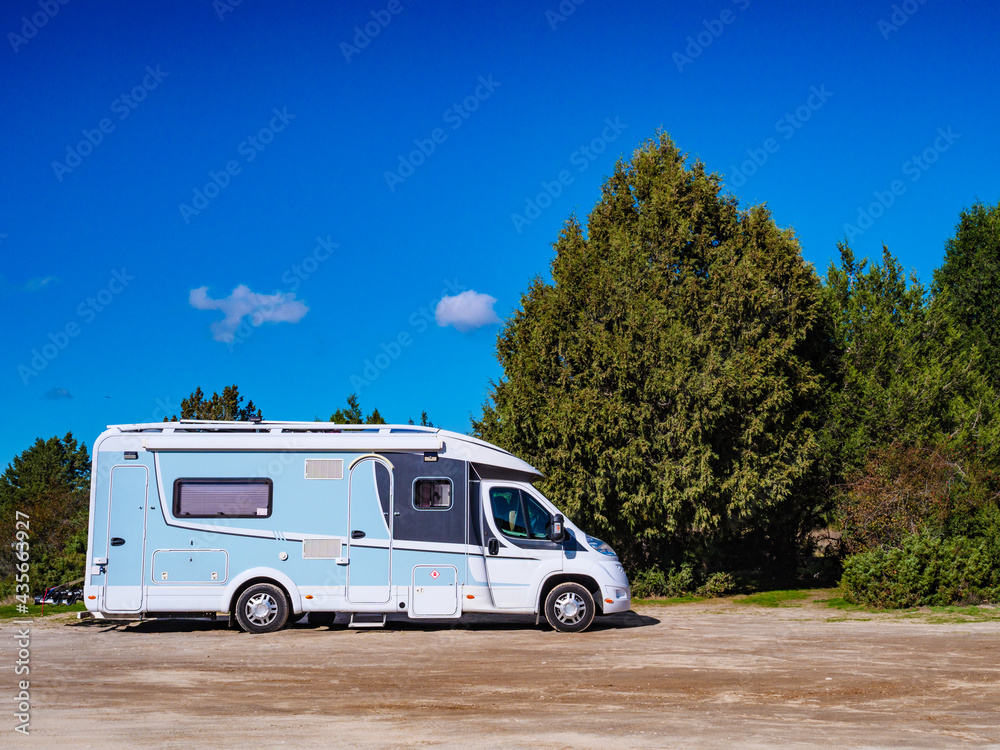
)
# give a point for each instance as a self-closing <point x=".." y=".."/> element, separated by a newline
<point x="322" y="549"/>
<point x="324" y="468"/>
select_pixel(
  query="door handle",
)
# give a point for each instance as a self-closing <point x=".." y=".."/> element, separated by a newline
<point x="494" y="546"/>
<point x="357" y="534"/>
<point x="117" y="541"/>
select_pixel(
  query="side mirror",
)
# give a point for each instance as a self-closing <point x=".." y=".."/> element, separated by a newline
<point x="557" y="531"/>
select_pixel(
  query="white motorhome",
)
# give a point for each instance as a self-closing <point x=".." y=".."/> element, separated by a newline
<point x="267" y="521"/>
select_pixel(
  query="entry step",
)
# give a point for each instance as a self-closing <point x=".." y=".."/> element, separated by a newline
<point x="364" y="620"/>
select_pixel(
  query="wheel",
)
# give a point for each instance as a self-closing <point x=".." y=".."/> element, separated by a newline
<point x="569" y="608"/>
<point x="262" y="608"/>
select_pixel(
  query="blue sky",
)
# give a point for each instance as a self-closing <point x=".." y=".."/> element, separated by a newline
<point x="345" y="166"/>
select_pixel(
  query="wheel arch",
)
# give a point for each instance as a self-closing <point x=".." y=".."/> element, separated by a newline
<point x="588" y="582"/>
<point x="262" y="575"/>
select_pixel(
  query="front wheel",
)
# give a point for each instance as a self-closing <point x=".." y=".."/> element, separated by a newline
<point x="262" y="608"/>
<point x="569" y="608"/>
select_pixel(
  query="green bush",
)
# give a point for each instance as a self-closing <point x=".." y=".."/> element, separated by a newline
<point x="925" y="570"/>
<point x="653" y="583"/>
<point x="718" y="584"/>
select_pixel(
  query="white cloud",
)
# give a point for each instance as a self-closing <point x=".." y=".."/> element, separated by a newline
<point x="242" y="303"/>
<point x="466" y="311"/>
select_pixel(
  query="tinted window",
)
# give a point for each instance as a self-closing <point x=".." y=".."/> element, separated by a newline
<point x="432" y="494"/>
<point x="222" y="498"/>
<point x="507" y="513"/>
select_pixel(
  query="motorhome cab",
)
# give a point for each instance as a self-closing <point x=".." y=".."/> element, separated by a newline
<point x="267" y="521"/>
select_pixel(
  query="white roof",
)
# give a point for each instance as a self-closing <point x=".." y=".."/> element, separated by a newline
<point x="193" y="434"/>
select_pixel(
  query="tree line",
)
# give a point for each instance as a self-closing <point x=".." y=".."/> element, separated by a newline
<point x="703" y="399"/>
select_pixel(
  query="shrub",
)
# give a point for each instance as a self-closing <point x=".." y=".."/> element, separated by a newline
<point x="652" y="583"/>
<point x="718" y="584"/>
<point x="925" y="570"/>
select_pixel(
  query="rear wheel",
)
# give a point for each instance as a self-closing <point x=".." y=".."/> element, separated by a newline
<point x="569" y="608"/>
<point x="262" y="608"/>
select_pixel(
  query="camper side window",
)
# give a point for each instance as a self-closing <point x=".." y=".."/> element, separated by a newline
<point x="432" y="494"/>
<point x="222" y="498"/>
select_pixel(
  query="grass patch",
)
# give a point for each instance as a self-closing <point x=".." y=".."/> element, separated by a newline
<point x="9" y="611"/>
<point x="774" y="598"/>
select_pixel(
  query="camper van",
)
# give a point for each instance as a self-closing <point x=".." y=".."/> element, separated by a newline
<point x="266" y="522"/>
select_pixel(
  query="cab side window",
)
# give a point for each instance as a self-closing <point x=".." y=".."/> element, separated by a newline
<point x="517" y="514"/>
<point x="507" y="513"/>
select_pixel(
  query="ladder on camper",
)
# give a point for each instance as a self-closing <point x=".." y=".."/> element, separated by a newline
<point x="366" y="620"/>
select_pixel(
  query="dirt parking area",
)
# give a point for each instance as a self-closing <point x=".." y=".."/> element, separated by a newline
<point x="707" y="674"/>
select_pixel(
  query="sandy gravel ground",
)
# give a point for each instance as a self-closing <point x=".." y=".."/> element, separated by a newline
<point x="713" y="675"/>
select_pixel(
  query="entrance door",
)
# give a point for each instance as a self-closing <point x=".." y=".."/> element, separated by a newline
<point x="369" y="540"/>
<point x="519" y="555"/>
<point x="126" y="538"/>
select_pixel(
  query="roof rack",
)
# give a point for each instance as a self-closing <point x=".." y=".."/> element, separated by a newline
<point x="273" y="427"/>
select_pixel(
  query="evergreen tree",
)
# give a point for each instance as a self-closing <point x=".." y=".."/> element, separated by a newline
<point x="905" y="373"/>
<point x="353" y="414"/>
<point x="227" y="407"/>
<point x="50" y="483"/>
<point x="971" y="274"/>
<point x="668" y="382"/>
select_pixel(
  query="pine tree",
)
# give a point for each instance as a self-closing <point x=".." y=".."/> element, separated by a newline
<point x="227" y="407"/>
<point x="668" y="381"/>
<point x="50" y="484"/>
<point x="971" y="275"/>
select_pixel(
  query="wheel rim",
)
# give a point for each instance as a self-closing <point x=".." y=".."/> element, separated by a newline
<point x="570" y="608"/>
<point x="261" y="609"/>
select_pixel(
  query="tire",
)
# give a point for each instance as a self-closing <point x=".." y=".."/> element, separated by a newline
<point x="262" y="608"/>
<point x="569" y="608"/>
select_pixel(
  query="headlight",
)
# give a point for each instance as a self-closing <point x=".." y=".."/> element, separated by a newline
<point x="599" y="546"/>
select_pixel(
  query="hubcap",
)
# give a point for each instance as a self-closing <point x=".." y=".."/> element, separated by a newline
<point x="261" y="609"/>
<point x="570" y="608"/>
